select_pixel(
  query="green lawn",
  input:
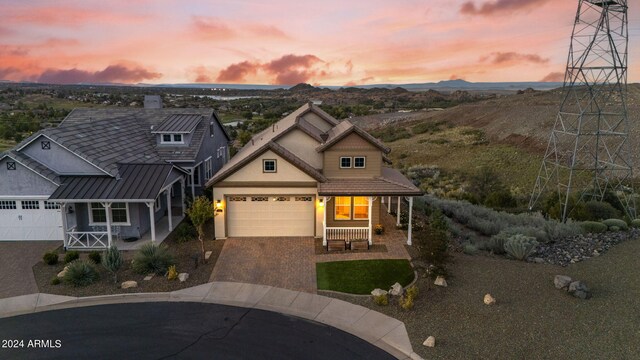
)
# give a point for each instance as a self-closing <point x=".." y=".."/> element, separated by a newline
<point x="362" y="276"/>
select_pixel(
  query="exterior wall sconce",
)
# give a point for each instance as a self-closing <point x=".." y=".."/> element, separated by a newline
<point x="321" y="202"/>
<point x="218" y="205"/>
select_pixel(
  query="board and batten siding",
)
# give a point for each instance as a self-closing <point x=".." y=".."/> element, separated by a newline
<point x="331" y="222"/>
<point x="352" y="145"/>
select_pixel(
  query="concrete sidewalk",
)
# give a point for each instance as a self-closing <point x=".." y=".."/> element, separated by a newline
<point x="380" y="330"/>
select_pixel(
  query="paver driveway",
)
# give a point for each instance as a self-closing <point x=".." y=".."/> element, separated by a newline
<point x="285" y="262"/>
<point x="16" y="260"/>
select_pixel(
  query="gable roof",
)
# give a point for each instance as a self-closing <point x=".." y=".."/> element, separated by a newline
<point x="178" y="123"/>
<point x="345" y="128"/>
<point x="32" y="165"/>
<point x="390" y="183"/>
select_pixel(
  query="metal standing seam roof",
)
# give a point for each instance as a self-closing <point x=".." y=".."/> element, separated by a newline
<point x="136" y="182"/>
<point x="178" y="123"/>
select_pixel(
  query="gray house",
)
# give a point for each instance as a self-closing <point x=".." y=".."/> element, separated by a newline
<point x="108" y="175"/>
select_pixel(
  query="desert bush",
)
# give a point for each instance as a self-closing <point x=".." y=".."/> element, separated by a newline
<point x="71" y="256"/>
<point x="433" y="247"/>
<point x="172" y="274"/>
<point x="381" y="300"/>
<point x="496" y="242"/>
<point x="152" y="258"/>
<point x="412" y="291"/>
<point x="500" y="199"/>
<point x="95" y="257"/>
<point x="469" y="249"/>
<point x="598" y="210"/>
<point x="81" y="273"/>
<point x="617" y="223"/>
<point x="520" y="247"/>
<point x="55" y="280"/>
<point x="593" y="227"/>
<point x="50" y="258"/>
<point x="112" y="261"/>
<point x="635" y="223"/>
<point x="406" y="302"/>
<point x="614" y="228"/>
<point x="185" y="232"/>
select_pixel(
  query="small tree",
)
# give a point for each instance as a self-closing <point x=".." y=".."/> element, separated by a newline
<point x="112" y="261"/>
<point x="200" y="212"/>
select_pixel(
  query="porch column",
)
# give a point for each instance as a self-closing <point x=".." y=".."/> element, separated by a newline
<point x="324" y="221"/>
<point x="169" y="207"/>
<point x="152" y="216"/>
<point x="182" y="199"/>
<point x="193" y="185"/>
<point x="370" y="219"/>
<point x="389" y="205"/>
<point x="410" y="220"/>
<point x="63" y="211"/>
<point x="107" y="210"/>
<point x="398" y="213"/>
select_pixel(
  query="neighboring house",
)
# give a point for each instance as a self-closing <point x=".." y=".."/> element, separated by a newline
<point x="108" y="173"/>
<point x="307" y="175"/>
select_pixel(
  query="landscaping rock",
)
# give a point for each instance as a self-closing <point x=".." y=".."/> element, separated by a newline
<point x="379" y="292"/>
<point x="440" y="281"/>
<point x="579" y="290"/>
<point x="148" y="277"/>
<point x="63" y="272"/>
<point x="129" y="284"/>
<point x="562" y="282"/>
<point x="183" y="277"/>
<point x="396" y="289"/>
<point x="489" y="300"/>
<point x="207" y="255"/>
<point x="430" y="342"/>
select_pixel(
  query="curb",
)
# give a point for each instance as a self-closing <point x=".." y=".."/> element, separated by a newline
<point x="378" y="329"/>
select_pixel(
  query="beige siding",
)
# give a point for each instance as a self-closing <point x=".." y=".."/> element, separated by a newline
<point x="286" y="172"/>
<point x="352" y="145"/>
<point x="317" y="121"/>
<point x="375" y="212"/>
<point x="303" y="146"/>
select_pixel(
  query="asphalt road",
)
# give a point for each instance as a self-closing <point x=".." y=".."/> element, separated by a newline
<point x="169" y="330"/>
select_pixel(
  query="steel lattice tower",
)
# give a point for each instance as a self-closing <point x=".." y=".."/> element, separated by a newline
<point x="589" y="151"/>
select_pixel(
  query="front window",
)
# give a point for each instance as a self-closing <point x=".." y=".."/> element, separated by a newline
<point x="166" y="138"/>
<point x="172" y="139"/>
<point x="208" y="168"/>
<point x="359" y="162"/>
<point x="343" y="208"/>
<point x="269" y="166"/>
<point x="345" y="162"/>
<point x="360" y="208"/>
<point x="177" y="138"/>
<point x="119" y="213"/>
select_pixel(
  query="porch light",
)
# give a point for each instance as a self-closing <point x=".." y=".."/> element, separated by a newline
<point x="218" y="204"/>
<point x="321" y="202"/>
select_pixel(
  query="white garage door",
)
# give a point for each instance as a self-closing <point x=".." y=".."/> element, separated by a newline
<point x="270" y="215"/>
<point x="30" y="220"/>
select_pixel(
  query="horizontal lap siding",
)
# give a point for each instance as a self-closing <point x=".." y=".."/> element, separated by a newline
<point x="352" y="145"/>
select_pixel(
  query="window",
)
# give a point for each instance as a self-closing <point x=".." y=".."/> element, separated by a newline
<point x="119" y="214"/>
<point x="50" y="205"/>
<point x="166" y="138"/>
<point x="269" y="166"/>
<point x="304" y="198"/>
<point x="343" y="208"/>
<point x="345" y="162"/>
<point x="31" y="205"/>
<point x="282" y="198"/>
<point x="7" y="205"/>
<point x="46" y="145"/>
<point x="211" y="128"/>
<point x="11" y="165"/>
<point x="259" y="198"/>
<point x="360" y="208"/>
<point x="196" y="176"/>
<point x="177" y="138"/>
<point x="208" y="169"/>
<point x="238" y="198"/>
<point x="222" y="152"/>
<point x="172" y="139"/>
<point x="359" y="162"/>
<point x="157" y="205"/>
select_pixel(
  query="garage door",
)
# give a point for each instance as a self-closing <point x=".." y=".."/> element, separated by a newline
<point x="270" y="215"/>
<point x="30" y="220"/>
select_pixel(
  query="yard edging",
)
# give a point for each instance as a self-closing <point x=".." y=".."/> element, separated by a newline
<point x="378" y="329"/>
<point x="415" y="279"/>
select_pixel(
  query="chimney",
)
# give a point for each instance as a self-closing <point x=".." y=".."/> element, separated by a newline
<point x="324" y="137"/>
<point x="273" y="128"/>
<point x="152" y="102"/>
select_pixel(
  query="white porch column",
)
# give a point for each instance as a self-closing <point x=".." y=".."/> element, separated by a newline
<point x="107" y="210"/>
<point x="152" y="217"/>
<point x="398" y="213"/>
<point x="370" y="219"/>
<point x="410" y="220"/>
<point x="63" y="211"/>
<point x="169" y="208"/>
<point x="182" y="199"/>
<point x="389" y="206"/>
<point x="193" y="185"/>
<point x="324" y="221"/>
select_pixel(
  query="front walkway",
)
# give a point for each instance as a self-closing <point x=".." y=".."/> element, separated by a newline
<point x="285" y="262"/>
<point x="16" y="260"/>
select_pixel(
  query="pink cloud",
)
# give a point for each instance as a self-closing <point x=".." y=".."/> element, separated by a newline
<point x="6" y="71"/>
<point x="238" y="72"/>
<point x="499" y="6"/>
<point x="293" y="69"/>
<point x="510" y="58"/>
<point x="66" y="16"/>
<point x="211" y="28"/>
<point x="553" y="77"/>
<point x="111" y="74"/>
<point x="267" y="31"/>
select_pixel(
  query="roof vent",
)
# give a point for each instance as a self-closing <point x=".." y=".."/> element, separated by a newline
<point x="252" y="143"/>
<point x="324" y="137"/>
<point x="273" y="128"/>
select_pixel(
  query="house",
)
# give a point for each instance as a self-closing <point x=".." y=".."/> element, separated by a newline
<point x="105" y="174"/>
<point x="307" y="175"/>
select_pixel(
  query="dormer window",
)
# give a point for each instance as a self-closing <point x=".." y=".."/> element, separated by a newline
<point x="172" y="139"/>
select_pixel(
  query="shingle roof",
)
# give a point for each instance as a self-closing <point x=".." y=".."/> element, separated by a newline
<point x="391" y="183"/>
<point x="345" y="128"/>
<point x="136" y="182"/>
<point x="33" y="165"/>
<point x="178" y="123"/>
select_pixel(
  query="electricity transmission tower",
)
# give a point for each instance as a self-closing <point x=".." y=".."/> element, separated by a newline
<point x="589" y="152"/>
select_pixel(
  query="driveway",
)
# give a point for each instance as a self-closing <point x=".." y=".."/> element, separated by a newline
<point x="285" y="262"/>
<point x="16" y="260"/>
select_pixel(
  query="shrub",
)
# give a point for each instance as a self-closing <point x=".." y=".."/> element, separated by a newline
<point x="469" y="249"/>
<point x="433" y="247"/>
<point x="50" y="258"/>
<point x="406" y="302"/>
<point x="55" y="281"/>
<point x="95" y="257"/>
<point x="616" y="222"/>
<point x="71" y="256"/>
<point x="520" y="247"/>
<point x="593" y="227"/>
<point x="152" y="258"/>
<point x="500" y="199"/>
<point x="172" y="274"/>
<point x="381" y="300"/>
<point x="598" y="210"/>
<point x="112" y="261"/>
<point x="496" y="243"/>
<point x="412" y="291"/>
<point x="614" y="228"/>
<point x="635" y="223"/>
<point x="81" y="273"/>
<point x="185" y="232"/>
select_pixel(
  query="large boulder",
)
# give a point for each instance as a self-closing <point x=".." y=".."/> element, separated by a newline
<point x="129" y="284"/>
<point x="183" y="277"/>
<point x="579" y="290"/>
<point x="562" y="282"/>
<point x="62" y="273"/>
<point x="396" y="289"/>
<point x="379" y="292"/>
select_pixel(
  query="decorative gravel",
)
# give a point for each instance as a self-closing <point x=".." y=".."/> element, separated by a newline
<point x="531" y="319"/>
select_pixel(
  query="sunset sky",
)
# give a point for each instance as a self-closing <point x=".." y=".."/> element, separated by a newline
<point x="328" y="42"/>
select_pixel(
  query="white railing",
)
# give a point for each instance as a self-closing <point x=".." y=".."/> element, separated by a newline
<point x="346" y="233"/>
<point x="87" y="240"/>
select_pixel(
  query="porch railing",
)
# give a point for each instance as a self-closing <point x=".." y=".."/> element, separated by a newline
<point x="346" y="233"/>
<point x="87" y="240"/>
